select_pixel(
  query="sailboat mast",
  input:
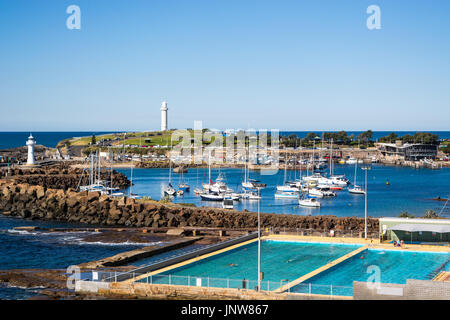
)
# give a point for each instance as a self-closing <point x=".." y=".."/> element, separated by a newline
<point x="98" y="166"/>
<point x="331" y="158"/>
<point x="131" y="182"/>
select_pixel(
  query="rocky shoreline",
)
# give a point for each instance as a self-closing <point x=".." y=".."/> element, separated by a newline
<point x="60" y="177"/>
<point x="39" y="202"/>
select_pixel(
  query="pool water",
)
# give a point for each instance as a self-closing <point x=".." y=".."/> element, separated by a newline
<point x="280" y="261"/>
<point x="393" y="267"/>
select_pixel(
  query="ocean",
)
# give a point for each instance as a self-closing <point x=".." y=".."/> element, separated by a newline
<point x="44" y="250"/>
<point x="50" y="139"/>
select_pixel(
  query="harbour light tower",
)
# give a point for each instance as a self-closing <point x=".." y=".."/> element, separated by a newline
<point x="164" y="116"/>
<point x="31" y="142"/>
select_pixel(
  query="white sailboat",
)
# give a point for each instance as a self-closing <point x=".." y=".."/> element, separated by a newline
<point x="356" y="189"/>
<point x="169" y="190"/>
<point x="286" y="187"/>
<point x="132" y="195"/>
<point x="184" y="187"/>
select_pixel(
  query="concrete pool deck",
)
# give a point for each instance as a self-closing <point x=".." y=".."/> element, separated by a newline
<point x="372" y="243"/>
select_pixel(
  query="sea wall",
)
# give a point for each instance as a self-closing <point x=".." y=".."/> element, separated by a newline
<point x="38" y="202"/>
<point x="60" y="177"/>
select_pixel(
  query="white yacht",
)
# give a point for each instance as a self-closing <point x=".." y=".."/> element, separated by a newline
<point x="316" y="193"/>
<point x="286" y="195"/>
<point x="211" y="196"/>
<point x="309" y="202"/>
<point x="227" y="203"/>
<point x="356" y="190"/>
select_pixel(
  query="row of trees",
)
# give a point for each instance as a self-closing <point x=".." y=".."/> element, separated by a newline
<point x="363" y="139"/>
<point x="419" y="137"/>
<point x="429" y="214"/>
<point x="339" y="138"/>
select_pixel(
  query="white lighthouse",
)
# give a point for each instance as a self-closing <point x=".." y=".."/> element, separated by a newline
<point x="164" y="116"/>
<point x="31" y="142"/>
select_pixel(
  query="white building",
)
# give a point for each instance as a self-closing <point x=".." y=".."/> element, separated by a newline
<point x="31" y="142"/>
<point x="164" y="116"/>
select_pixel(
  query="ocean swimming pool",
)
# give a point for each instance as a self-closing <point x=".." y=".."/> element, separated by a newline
<point x="393" y="266"/>
<point x="281" y="262"/>
<point x="285" y="261"/>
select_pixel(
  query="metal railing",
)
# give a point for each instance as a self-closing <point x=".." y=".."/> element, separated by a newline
<point x="224" y="283"/>
<point x="322" y="233"/>
<point x="158" y="264"/>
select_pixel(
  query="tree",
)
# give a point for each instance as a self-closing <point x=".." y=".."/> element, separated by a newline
<point x="343" y="137"/>
<point x="390" y="138"/>
<point x="446" y="149"/>
<point x="93" y="140"/>
<point x="405" y="214"/>
<point x="311" y="136"/>
<point x="365" y="136"/>
<point x="426" y="137"/>
<point x="430" y="214"/>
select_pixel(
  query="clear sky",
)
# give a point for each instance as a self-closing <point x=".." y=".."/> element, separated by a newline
<point x="290" y="65"/>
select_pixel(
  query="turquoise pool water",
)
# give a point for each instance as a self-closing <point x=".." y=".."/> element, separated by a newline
<point x="394" y="267"/>
<point x="280" y="261"/>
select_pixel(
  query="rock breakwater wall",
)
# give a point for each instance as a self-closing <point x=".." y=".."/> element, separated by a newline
<point x="37" y="202"/>
<point x="61" y="177"/>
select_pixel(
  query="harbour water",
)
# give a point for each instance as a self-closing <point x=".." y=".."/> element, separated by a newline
<point x="408" y="190"/>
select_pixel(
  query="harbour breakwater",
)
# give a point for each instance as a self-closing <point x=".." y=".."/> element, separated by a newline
<point x="60" y="177"/>
<point x="39" y="202"/>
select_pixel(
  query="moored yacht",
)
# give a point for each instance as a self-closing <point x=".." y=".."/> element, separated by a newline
<point x="356" y="190"/>
<point x="309" y="202"/>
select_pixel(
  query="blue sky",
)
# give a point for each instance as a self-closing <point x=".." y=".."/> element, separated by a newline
<point x="291" y="65"/>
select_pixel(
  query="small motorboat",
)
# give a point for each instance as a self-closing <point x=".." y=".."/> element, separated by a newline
<point x="254" y="196"/>
<point x="356" y="190"/>
<point x="234" y="196"/>
<point x="170" y="191"/>
<point x="286" y="195"/>
<point x="211" y="196"/>
<point x="326" y="191"/>
<point x="287" y="188"/>
<point x="316" y="193"/>
<point x="309" y="202"/>
<point x="185" y="187"/>
<point x="134" y="196"/>
<point x="227" y="203"/>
